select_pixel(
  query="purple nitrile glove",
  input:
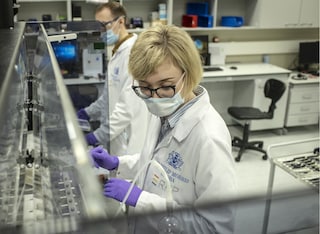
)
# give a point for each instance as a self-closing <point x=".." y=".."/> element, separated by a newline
<point x="102" y="158"/>
<point x="91" y="139"/>
<point x="118" y="188"/>
<point x="82" y="114"/>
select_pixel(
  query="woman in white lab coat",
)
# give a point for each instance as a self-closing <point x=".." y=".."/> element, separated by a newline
<point x="118" y="108"/>
<point x="187" y="141"/>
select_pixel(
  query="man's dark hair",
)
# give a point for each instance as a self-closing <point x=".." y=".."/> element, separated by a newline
<point x="116" y="9"/>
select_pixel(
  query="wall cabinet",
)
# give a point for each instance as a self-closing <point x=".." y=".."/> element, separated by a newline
<point x="284" y="13"/>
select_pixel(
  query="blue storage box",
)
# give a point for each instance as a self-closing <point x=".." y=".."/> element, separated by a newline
<point x="231" y="21"/>
<point x="196" y="8"/>
<point x="205" y="21"/>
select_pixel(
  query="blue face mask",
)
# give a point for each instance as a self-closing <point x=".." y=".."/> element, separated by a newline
<point x="109" y="37"/>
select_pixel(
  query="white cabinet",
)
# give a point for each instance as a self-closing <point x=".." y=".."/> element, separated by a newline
<point x="309" y="14"/>
<point x="303" y="103"/>
<point x="284" y="13"/>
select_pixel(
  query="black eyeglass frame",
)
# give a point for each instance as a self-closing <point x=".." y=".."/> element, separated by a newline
<point x="104" y="24"/>
<point x="135" y="89"/>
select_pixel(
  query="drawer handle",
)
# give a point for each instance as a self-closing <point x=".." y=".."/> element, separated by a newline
<point x="306" y="97"/>
<point x="305" y="109"/>
<point x="303" y="120"/>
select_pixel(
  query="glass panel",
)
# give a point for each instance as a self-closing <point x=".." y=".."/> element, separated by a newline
<point x="45" y="172"/>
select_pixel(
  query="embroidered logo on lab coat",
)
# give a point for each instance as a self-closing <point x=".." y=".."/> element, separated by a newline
<point x="175" y="160"/>
<point x="116" y="70"/>
<point x="115" y="74"/>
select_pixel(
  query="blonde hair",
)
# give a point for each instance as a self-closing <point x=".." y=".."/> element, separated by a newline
<point x="162" y="42"/>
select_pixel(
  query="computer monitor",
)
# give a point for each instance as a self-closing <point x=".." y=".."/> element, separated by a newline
<point x="308" y="55"/>
<point x="66" y="52"/>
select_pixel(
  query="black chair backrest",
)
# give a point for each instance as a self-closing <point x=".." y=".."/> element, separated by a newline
<point x="274" y="90"/>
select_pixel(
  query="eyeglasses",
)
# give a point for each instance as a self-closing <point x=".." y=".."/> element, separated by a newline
<point x="162" y="92"/>
<point x="108" y="24"/>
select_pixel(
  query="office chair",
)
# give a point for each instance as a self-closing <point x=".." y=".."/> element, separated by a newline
<point x="273" y="89"/>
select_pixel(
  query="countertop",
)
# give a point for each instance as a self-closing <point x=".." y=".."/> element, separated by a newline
<point x="244" y="69"/>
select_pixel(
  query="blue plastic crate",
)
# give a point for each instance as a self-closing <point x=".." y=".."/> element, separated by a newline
<point x="205" y="21"/>
<point x="231" y="21"/>
<point x="196" y="8"/>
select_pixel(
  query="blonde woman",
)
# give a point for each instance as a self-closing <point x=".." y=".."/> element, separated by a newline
<point x="188" y="146"/>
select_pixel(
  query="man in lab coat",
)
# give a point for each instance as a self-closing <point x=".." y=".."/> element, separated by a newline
<point x="124" y="124"/>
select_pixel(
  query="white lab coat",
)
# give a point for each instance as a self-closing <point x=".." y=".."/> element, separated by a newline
<point x="129" y="115"/>
<point x="197" y="157"/>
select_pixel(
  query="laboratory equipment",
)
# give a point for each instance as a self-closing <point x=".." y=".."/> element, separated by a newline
<point x="47" y="184"/>
<point x="299" y="159"/>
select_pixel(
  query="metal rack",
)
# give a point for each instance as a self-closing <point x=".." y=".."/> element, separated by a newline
<point x="300" y="159"/>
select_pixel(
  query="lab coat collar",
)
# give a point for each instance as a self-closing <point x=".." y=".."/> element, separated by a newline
<point x="127" y="41"/>
<point x="192" y="116"/>
<point x="188" y="120"/>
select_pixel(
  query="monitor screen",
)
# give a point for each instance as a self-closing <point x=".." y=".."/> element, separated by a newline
<point x="308" y="53"/>
<point x="66" y="52"/>
<point x="202" y="44"/>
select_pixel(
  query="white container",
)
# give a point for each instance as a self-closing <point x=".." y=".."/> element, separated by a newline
<point x="162" y="6"/>
<point x="162" y="11"/>
<point x="162" y="15"/>
<point x="154" y="15"/>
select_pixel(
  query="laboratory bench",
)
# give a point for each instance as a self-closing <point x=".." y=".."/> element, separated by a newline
<point x="84" y="90"/>
<point x="243" y="85"/>
<point x="81" y="80"/>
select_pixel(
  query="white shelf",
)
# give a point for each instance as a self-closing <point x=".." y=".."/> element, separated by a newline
<point x="255" y="12"/>
<point x="40" y="1"/>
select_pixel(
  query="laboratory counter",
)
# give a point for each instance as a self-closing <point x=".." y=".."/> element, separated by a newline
<point x="242" y="71"/>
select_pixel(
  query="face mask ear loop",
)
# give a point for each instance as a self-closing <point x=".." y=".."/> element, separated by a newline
<point x="182" y="78"/>
<point x="116" y="23"/>
<point x="168" y="187"/>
